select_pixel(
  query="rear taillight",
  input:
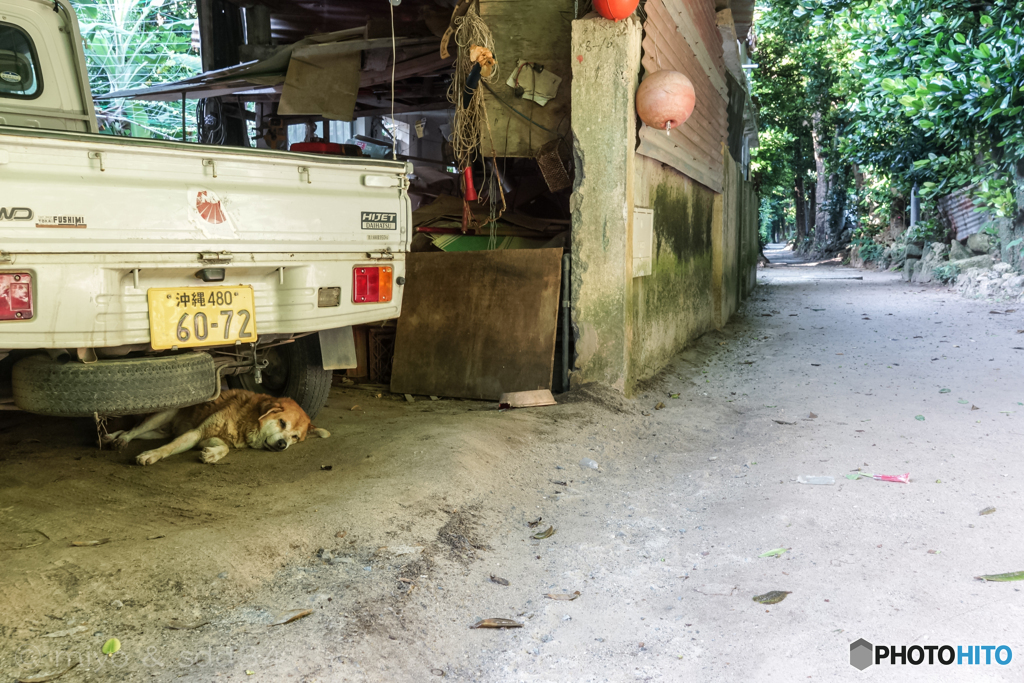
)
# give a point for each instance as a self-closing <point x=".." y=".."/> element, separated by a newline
<point x="371" y="284"/>
<point x="16" y="296"/>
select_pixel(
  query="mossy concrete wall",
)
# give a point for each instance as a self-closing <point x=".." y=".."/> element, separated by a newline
<point x="673" y="306"/>
<point x="606" y="66"/>
<point x="705" y="244"/>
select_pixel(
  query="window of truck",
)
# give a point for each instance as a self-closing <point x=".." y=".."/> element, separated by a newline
<point x="19" y="66"/>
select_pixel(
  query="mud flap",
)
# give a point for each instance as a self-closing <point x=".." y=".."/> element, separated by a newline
<point x="338" y="348"/>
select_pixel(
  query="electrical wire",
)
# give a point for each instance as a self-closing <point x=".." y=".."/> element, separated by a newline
<point x="394" y="57"/>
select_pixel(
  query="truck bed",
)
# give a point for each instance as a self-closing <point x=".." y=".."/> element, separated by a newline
<point x="83" y="193"/>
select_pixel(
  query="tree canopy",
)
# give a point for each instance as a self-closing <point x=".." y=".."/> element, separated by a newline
<point x="904" y="91"/>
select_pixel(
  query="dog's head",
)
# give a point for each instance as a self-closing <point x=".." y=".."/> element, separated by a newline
<point x="283" y="422"/>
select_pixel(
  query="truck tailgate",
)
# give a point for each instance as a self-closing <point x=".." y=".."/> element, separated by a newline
<point x="76" y="193"/>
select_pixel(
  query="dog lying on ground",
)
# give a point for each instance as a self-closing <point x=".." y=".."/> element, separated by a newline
<point x="236" y="419"/>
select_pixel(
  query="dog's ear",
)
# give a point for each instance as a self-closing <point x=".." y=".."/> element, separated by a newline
<point x="318" y="431"/>
<point x="269" y="407"/>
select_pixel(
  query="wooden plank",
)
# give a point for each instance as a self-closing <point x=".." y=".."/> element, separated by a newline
<point x="537" y="31"/>
<point x="477" y="324"/>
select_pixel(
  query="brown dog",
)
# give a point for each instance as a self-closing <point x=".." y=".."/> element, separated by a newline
<point x="235" y="419"/>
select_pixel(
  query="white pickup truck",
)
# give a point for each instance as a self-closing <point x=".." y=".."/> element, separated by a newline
<point x="136" y="274"/>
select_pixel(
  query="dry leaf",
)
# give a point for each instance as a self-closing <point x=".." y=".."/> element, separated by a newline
<point x="83" y="544"/>
<point x="496" y="623"/>
<point x="771" y="597"/>
<point x="659" y="406"/>
<point x="354" y="408"/>
<point x="812" y="416"/>
<point x="290" y="616"/>
<point x="987" y="511"/>
<point x="341" y="534"/>
<point x="498" y="580"/>
<point x="534" y="522"/>
<point x="562" y="596"/>
<point x="783" y="422"/>
<point x="153" y="538"/>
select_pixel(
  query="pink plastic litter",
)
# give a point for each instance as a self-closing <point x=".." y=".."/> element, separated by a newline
<point x="895" y="478"/>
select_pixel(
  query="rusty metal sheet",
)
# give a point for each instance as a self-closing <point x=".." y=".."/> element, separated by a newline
<point x="958" y="208"/>
<point x="477" y="324"/>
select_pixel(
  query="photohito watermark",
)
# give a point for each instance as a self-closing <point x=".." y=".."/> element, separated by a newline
<point x="863" y="654"/>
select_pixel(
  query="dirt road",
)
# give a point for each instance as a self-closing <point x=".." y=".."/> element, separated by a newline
<point x="394" y="547"/>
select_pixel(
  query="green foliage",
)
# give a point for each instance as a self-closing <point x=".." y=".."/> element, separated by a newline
<point x="938" y="91"/>
<point x="946" y="272"/>
<point x="871" y="251"/>
<point x="926" y="231"/>
<point x="134" y="44"/>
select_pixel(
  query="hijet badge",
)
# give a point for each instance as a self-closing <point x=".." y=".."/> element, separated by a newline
<point x="373" y="220"/>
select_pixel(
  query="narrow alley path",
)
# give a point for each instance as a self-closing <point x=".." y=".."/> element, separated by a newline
<point x="825" y="370"/>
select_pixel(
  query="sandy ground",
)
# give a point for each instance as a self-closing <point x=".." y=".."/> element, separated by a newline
<point x="424" y="502"/>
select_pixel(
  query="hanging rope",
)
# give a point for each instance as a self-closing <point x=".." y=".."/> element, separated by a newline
<point x="470" y="31"/>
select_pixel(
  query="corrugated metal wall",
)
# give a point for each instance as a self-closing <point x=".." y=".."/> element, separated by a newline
<point x="959" y="210"/>
<point x="681" y="35"/>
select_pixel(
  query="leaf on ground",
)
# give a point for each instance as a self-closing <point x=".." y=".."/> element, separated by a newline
<point x="919" y="418"/>
<point x="534" y="522"/>
<point x="673" y="395"/>
<point x="562" y="596"/>
<point x="771" y="597"/>
<point x="811" y="416"/>
<point x="1010" y="576"/>
<point x="659" y="406"/>
<point x="47" y="677"/>
<point x="182" y="626"/>
<point x="944" y="391"/>
<point x="547" y="533"/>
<point x="987" y="511"/>
<point x="974" y="407"/>
<point x="962" y="402"/>
<point x="496" y="623"/>
<point x="84" y="544"/>
<point x="111" y="646"/>
<point x="290" y="616"/>
<point x="783" y="422"/>
<point x="933" y="552"/>
<point x="774" y="553"/>
<point x="498" y="580"/>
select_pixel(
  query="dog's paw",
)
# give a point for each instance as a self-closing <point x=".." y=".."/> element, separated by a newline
<point x="113" y="437"/>
<point x="212" y="454"/>
<point x="149" y="457"/>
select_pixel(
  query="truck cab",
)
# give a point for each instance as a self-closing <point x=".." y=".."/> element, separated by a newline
<point x="43" y="77"/>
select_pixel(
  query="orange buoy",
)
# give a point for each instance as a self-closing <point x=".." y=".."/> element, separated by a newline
<point x="616" y="10"/>
<point x="665" y="100"/>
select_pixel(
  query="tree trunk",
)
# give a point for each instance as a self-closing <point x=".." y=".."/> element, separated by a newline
<point x="821" y="216"/>
<point x="800" y="207"/>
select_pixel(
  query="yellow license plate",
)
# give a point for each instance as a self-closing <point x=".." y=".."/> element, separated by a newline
<point x="201" y="316"/>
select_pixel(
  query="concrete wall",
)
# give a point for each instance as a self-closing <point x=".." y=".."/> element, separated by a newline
<point x="672" y="306"/>
<point x="705" y="243"/>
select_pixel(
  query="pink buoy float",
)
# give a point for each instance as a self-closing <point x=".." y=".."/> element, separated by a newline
<point x="665" y="100"/>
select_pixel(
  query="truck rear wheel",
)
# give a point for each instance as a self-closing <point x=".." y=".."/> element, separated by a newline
<point x="294" y="370"/>
<point x="128" y="386"/>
